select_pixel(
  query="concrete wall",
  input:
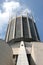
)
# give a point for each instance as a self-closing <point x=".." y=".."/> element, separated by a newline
<point x="35" y="49"/>
<point x="37" y="53"/>
<point x="5" y="54"/>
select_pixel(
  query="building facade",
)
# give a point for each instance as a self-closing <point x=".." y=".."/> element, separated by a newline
<point x="22" y="36"/>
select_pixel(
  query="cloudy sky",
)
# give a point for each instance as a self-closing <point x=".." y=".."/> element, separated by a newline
<point x="9" y="8"/>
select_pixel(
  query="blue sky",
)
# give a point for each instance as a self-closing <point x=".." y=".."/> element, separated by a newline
<point x="9" y="7"/>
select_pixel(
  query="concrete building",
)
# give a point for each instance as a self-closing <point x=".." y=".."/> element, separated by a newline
<point x="23" y="38"/>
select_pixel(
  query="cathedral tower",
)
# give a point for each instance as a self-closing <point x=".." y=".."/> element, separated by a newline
<point x="22" y="35"/>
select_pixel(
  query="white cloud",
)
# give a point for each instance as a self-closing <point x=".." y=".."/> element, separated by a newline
<point x="26" y="11"/>
<point x="8" y="8"/>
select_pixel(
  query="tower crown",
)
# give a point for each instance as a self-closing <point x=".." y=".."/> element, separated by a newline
<point x="22" y="28"/>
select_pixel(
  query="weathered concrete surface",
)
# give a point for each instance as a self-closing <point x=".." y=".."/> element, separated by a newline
<point x="5" y="54"/>
<point x="35" y="50"/>
<point x="37" y="53"/>
<point x="22" y="57"/>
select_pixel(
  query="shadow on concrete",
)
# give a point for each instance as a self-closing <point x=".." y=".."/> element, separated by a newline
<point x="30" y="59"/>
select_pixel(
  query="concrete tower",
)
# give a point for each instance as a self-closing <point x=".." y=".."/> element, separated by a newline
<point x="23" y="37"/>
<point x="22" y="28"/>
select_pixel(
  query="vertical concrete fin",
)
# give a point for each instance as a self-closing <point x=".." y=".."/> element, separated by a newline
<point x="29" y="28"/>
<point x="22" y="57"/>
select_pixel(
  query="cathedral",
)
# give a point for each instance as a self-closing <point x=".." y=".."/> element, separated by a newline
<point x="22" y="45"/>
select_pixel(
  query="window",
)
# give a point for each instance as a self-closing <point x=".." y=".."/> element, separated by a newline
<point x="36" y="31"/>
<point x="18" y="27"/>
<point x="32" y="29"/>
<point x="25" y="27"/>
<point x="11" y="30"/>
